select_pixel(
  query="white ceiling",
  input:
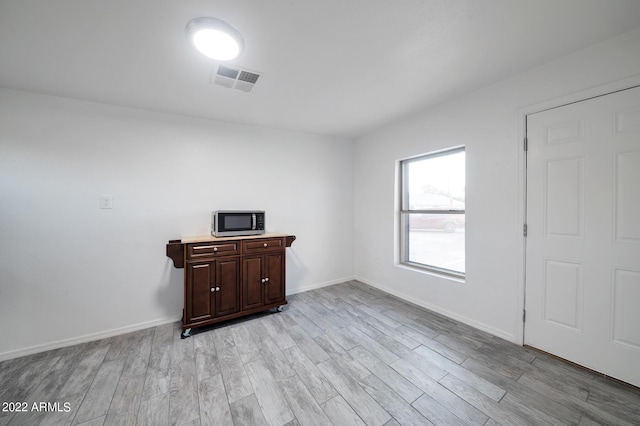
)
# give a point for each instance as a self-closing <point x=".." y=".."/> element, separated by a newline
<point x="338" y="67"/>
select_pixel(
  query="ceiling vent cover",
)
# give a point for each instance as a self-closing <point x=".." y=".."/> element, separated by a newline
<point x="234" y="78"/>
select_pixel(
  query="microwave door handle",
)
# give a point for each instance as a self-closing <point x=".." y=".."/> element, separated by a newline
<point x="253" y="221"/>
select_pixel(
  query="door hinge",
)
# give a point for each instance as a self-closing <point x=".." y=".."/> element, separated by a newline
<point x="524" y="315"/>
<point x="526" y="144"/>
<point x="524" y="230"/>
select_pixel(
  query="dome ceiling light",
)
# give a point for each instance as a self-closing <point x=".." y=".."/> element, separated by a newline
<point x="215" y="38"/>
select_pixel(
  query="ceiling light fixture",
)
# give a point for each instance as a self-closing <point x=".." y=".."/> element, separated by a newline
<point x="215" y="38"/>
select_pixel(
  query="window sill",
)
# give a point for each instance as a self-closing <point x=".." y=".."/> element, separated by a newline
<point x="451" y="276"/>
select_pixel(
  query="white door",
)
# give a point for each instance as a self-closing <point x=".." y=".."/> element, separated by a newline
<point x="583" y="243"/>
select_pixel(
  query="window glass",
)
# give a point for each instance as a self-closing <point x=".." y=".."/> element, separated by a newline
<point x="432" y="214"/>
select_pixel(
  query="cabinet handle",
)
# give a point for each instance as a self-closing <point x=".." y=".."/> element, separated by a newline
<point x="217" y="288"/>
<point x="263" y="280"/>
<point x="213" y="289"/>
<point x="266" y="280"/>
<point x="265" y="244"/>
<point x="215" y="249"/>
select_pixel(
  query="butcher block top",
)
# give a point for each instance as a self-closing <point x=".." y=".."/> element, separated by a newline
<point x="210" y="238"/>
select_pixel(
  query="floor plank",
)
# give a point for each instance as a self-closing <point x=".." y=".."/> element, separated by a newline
<point x="340" y="413"/>
<point x="408" y="391"/>
<point x="367" y="408"/>
<point x="247" y="412"/>
<point x="310" y="375"/>
<point x="126" y="400"/>
<point x="214" y="407"/>
<point x="234" y="375"/>
<point x="154" y="411"/>
<point x="302" y="403"/>
<point x="435" y="412"/>
<point x="269" y="395"/>
<point x="98" y="399"/>
<point x="401" y="411"/>
<point x="183" y="406"/>
<point x="82" y="377"/>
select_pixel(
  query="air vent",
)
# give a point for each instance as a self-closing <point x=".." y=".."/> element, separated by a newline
<point x="234" y="78"/>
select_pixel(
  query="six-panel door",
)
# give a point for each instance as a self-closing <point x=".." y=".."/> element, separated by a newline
<point x="583" y="242"/>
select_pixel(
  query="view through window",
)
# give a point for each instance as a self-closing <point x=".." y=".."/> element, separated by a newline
<point x="432" y="212"/>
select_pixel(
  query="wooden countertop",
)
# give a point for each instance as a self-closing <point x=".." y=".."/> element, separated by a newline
<point x="210" y="238"/>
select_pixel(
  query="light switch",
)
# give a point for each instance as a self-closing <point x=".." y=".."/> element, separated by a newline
<point x="106" y="201"/>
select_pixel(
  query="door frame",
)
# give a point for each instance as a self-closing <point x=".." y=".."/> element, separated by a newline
<point x="522" y="114"/>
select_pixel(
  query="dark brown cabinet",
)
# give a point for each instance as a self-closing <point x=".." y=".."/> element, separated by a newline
<point x="252" y="282"/>
<point x="263" y="272"/>
<point x="262" y="280"/>
<point x="230" y="277"/>
<point x="227" y="294"/>
<point x="211" y="289"/>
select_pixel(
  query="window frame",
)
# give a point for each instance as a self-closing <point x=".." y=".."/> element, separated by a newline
<point x="404" y="212"/>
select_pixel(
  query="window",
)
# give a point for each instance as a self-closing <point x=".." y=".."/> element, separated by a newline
<point x="432" y="212"/>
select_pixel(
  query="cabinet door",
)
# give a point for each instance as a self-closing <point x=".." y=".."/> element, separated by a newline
<point x="227" y="295"/>
<point x="252" y="284"/>
<point x="274" y="271"/>
<point x="198" y="296"/>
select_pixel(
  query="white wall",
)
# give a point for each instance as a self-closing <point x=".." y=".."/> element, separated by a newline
<point x="70" y="271"/>
<point x="487" y="122"/>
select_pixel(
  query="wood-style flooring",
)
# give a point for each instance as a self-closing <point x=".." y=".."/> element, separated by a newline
<point x="347" y="354"/>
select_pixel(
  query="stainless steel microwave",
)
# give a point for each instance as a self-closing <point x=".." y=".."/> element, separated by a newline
<point x="225" y="223"/>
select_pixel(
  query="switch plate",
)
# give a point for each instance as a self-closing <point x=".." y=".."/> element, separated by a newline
<point x="106" y="201"/>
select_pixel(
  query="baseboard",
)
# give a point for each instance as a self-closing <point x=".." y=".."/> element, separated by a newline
<point x="320" y="285"/>
<point x="468" y="321"/>
<point x="86" y="338"/>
